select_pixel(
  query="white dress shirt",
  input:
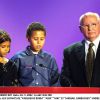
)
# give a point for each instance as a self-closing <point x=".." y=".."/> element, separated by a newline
<point x="95" y="47"/>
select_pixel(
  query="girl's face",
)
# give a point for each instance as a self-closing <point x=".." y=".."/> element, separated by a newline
<point x="4" y="48"/>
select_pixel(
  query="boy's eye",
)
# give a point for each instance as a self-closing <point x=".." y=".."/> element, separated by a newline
<point x="38" y="39"/>
<point x="35" y="38"/>
<point x="42" y="38"/>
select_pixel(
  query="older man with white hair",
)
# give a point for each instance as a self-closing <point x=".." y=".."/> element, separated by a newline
<point x="81" y="63"/>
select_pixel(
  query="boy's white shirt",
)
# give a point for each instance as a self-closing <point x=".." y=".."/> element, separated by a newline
<point x="34" y="52"/>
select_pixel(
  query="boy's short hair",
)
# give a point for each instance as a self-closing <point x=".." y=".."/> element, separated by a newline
<point x="35" y="26"/>
<point x="4" y="36"/>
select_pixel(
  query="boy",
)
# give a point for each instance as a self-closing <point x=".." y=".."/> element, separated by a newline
<point x="35" y="66"/>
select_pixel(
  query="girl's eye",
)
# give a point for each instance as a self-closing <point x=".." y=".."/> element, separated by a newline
<point x="3" y="46"/>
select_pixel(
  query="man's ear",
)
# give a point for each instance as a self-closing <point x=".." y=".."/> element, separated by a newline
<point x="80" y="28"/>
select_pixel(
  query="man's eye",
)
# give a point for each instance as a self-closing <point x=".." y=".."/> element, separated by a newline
<point x="86" y="25"/>
<point x="93" y="24"/>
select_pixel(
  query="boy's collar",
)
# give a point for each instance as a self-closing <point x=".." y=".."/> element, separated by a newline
<point x="34" y="52"/>
<point x="30" y="52"/>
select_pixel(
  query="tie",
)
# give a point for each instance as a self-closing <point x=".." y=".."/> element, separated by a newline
<point x="90" y="62"/>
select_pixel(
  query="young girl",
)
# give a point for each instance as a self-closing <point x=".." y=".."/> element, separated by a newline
<point x="8" y="70"/>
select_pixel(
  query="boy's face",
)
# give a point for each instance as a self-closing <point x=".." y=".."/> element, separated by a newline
<point x="37" y="40"/>
<point x="4" y="48"/>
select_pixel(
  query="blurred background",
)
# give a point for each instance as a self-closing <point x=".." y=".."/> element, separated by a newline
<point x="60" y="17"/>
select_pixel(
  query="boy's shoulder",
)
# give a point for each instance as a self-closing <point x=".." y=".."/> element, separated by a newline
<point x="19" y="54"/>
<point x="47" y="54"/>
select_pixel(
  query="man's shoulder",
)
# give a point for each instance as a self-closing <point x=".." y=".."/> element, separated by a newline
<point x="73" y="46"/>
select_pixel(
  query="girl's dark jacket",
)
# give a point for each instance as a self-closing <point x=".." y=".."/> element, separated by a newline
<point x="8" y="74"/>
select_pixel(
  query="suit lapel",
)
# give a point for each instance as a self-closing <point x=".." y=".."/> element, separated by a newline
<point x="97" y="59"/>
<point x="80" y="53"/>
<point x="96" y="69"/>
<point x="98" y="52"/>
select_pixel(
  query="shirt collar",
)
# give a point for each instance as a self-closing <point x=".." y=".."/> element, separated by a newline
<point x="96" y="41"/>
<point x="30" y="52"/>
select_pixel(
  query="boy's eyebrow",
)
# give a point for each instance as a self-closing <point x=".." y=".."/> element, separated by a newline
<point x="37" y="36"/>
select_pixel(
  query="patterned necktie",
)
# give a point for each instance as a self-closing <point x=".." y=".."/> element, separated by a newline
<point x="90" y="62"/>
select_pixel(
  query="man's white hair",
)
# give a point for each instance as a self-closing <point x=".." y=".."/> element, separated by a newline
<point x="89" y="14"/>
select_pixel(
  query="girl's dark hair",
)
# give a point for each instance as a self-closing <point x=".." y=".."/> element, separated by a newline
<point x="4" y="36"/>
<point x="35" y="26"/>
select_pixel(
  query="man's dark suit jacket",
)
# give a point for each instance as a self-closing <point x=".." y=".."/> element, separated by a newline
<point x="74" y="71"/>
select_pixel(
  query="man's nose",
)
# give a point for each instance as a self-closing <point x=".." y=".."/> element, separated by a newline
<point x="89" y="27"/>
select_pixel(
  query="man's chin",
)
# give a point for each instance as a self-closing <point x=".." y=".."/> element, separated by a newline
<point x="92" y="38"/>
